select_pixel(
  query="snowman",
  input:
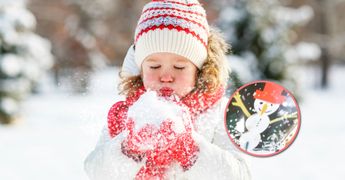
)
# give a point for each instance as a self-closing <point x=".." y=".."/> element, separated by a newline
<point x="267" y="101"/>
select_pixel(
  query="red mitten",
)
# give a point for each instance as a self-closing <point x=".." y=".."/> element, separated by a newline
<point x="131" y="153"/>
<point x="116" y="118"/>
<point x="173" y="146"/>
<point x="144" y="139"/>
<point x="156" y="165"/>
<point x="156" y="143"/>
<point x="181" y="145"/>
<point x="117" y="114"/>
<point x="139" y="142"/>
<point x="185" y="151"/>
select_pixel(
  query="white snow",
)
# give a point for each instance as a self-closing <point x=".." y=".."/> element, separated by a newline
<point x="9" y="105"/>
<point x="231" y="14"/>
<point x="152" y="109"/>
<point x="58" y="130"/>
<point x="32" y="55"/>
<point x="10" y="64"/>
<point x="300" y="15"/>
<point x="244" y="66"/>
<point x="303" y="51"/>
<point x="14" y="17"/>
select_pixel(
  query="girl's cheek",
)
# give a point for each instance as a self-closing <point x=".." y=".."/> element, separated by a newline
<point x="146" y="74"/>
<point x="149" y="80"/>
<point x="149" y="77"/>
<point x="188" y="80"/>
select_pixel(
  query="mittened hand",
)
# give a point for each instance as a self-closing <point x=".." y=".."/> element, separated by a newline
<point x="180" y="145"/>
<point x="159" y="130"/>
<point x="138" y="142"/>
<point x="182" y="149"/>
<point x="131" y="152"/>
<point x="168" y="138"/>
<point x="148" y="131"/>
<point x="185" y="151"/>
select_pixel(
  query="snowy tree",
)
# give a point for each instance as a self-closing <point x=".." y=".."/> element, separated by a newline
<point x="261" y="33"/>
<point x="23" y="57"/>
<point x="86" y="36"/>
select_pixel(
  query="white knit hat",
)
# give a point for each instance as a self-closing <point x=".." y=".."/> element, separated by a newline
<point x="173" y="26"/>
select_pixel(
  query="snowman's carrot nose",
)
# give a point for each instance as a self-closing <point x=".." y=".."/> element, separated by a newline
<point x="264" y="108"/>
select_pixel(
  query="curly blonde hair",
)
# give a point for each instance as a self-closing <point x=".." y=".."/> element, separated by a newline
<point x="213" y="74"/>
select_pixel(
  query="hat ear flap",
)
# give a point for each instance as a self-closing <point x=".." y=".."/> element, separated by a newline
<point x="129" y="67"/>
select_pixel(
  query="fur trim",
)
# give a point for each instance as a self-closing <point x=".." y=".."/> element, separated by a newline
<point x="217" y="49"/>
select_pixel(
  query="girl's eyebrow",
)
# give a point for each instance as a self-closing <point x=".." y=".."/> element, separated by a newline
<point x="181" y="61"/>
<point x="151" y="60"/>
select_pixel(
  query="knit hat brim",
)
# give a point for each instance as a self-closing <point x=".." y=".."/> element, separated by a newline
<point x="171" y="41"/>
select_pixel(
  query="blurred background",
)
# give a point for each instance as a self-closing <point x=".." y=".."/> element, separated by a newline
<point x="60" y="59"/>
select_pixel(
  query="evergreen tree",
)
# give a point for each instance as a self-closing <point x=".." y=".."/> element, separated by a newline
<point x="259" y="32"/>
<point x="23" y="57"/>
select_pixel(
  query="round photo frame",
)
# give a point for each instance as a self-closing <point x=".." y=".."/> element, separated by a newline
<point x="262" y="118"/>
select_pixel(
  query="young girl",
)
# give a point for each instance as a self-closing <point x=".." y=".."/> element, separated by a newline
<point x="171" y="125"/>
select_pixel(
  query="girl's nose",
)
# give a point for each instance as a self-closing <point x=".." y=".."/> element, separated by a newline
<point x="166" y="78"/>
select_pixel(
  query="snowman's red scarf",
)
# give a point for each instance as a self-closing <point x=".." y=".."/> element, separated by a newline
<point x="183" y="151"/>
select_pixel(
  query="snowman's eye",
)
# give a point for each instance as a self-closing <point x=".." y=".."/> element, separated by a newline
<point x="271" y="104"/>
<point x="261" y="102"/>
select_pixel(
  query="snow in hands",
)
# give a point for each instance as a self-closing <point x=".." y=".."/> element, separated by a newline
<point x="160" y="129"/>
<point x="153" y="110"/>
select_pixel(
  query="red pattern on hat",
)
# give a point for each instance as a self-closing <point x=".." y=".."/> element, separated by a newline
<point x="174" y="16"/>
<point x="174" y="9"/>
<point x="173" y="27"/>
<point x="177" y="2"/>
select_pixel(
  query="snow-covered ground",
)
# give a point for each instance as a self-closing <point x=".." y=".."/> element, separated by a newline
<point x="60" y="129"/>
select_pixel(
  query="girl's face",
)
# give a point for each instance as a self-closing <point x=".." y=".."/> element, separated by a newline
<point x="169" y="73"/>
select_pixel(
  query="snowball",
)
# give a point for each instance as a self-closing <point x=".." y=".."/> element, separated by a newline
<point x="152" y="109"/>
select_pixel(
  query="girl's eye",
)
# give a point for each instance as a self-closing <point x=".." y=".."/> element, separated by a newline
<point x="179" y="67"/>
<point x="155" y="67"/>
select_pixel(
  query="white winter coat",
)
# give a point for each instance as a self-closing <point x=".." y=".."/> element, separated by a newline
<point x="217" y="159"/>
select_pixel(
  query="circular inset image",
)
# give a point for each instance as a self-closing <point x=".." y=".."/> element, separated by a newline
<point x="262" y="118"/>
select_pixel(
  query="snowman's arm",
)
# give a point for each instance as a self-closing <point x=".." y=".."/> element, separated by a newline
<point x="288" y="116"/>
<point x="240" y="104"/>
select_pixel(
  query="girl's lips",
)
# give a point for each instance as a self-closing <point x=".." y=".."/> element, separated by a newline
<point x="165" y="91"/>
